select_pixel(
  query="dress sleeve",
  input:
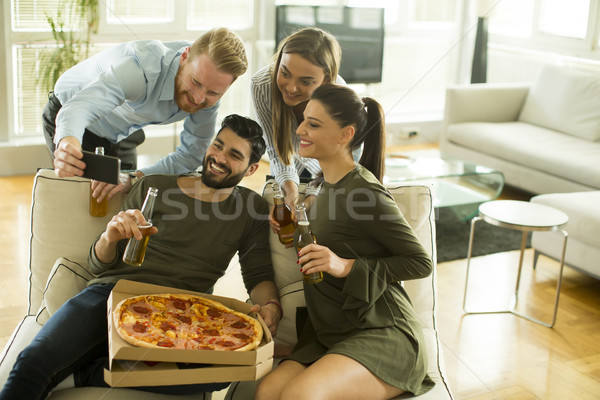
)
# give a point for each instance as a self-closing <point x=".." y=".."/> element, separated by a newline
<point x="261" y="98"/>
<point x="406" y="257"/>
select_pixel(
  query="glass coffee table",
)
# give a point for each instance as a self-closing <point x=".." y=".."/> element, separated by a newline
<point x="457" y="184"/>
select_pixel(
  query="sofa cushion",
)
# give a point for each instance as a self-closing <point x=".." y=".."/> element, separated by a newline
<point x="583" y="209"/>
<point x="66" y="279"/>
<point x="565" y="99"/>
<point x="533" y="147"/>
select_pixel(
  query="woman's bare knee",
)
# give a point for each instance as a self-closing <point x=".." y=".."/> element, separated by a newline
<point x="271" y="386"/>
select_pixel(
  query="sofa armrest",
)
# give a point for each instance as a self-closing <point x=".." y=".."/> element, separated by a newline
<point x="484" y="103"/>
<point x="60" y="227"/>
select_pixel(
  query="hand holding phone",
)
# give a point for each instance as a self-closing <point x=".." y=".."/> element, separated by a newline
<point x="101" y="168"/>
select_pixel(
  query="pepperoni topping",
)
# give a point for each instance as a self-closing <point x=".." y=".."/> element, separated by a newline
<point x="213" y="312"/>
<point x="238" y="325"/>
<point x="140" y="310"/>
<point x="211" y="332"/>
<point x="139" y="327"/>
<point x="184" y="318"/>
<point x="165" y="343"/>
<point x="226" y="343"/>
<point x="241" y="336"/>
<point x="178" y="304"/>
<point x="167" y="326"/>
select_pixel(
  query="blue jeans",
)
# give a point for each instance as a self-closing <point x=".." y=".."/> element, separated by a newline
<point x="73" y="341"/>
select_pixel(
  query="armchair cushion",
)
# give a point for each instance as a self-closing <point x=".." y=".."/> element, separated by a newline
<point x="66" y="279"/>
<point x="566" y="100"/>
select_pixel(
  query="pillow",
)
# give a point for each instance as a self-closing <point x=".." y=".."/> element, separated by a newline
<point x="565" y="99"/>
<point x="66" y="279"/>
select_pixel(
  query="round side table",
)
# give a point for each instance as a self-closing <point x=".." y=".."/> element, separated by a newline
<point x="526" y="217"/>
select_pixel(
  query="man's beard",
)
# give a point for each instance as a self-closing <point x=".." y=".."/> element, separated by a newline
<point x="215" y="182"/>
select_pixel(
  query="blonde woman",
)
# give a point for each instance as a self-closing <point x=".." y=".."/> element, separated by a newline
<point x="362" y="338"/>
<point x="305" y="60"/>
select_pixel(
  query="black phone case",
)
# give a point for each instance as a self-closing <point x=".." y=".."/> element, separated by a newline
<point x="101" y="168"/>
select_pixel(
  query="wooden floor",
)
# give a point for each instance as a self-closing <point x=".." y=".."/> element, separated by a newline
<point x="487" y="357"/>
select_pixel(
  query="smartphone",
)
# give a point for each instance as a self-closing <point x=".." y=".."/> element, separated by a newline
<point x="101" y="168"/>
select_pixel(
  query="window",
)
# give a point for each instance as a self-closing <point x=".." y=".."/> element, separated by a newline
<point x="526" y="34"/>
<point x="204" y="14"/>
<point x="550" y="24"/>
<point x="564" y="18"/>
<point x="120" y="12"/>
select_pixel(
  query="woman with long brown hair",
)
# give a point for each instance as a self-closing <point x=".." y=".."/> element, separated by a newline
<point x="305" y="60"/>
<point x="362" y="338"/>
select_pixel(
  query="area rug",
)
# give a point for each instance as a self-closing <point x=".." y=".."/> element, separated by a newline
<point x="452" y="237"/>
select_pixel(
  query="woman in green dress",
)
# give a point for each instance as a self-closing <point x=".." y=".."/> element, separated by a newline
<point x="362" y="339"/>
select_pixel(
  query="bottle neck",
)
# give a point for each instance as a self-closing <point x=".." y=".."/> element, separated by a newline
<point x="303" y="227"/>
<point x="148" y="206"/>
<point x="278" y="200"/>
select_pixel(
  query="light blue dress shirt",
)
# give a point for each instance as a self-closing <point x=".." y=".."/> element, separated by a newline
<point x="127" y="87"/>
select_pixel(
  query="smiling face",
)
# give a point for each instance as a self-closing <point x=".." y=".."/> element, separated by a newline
<point x="320" y="135"/>
<point x="198" y="83"/>
<point x="297" y="78"/>
<point x="227" y="161"/>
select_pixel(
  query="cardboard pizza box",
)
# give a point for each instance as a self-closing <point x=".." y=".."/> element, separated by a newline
<point x="220" y="366"/>
<point x="132" y="373"/>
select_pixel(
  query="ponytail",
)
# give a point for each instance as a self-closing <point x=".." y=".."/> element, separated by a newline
<point x="373" y="137"/>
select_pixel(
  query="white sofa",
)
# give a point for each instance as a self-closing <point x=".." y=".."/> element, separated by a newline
<point x="62" y="231"/>
<point x="545" y="138"/>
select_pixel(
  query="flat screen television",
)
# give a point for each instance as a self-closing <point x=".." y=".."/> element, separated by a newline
<point x="360" y="32"/>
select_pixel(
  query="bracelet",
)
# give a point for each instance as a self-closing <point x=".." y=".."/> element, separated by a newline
<point x="277" y="304"/>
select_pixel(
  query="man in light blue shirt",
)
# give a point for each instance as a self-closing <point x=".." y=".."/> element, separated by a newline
<point x="112" y="95"/>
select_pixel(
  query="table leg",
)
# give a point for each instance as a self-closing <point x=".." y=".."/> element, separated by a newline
<point x="471" y="235"/>
<point x="521" y="256"/>
<point x="558" y="286"/>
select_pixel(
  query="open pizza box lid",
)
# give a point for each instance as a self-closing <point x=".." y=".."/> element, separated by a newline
<point x="221" y="363"/>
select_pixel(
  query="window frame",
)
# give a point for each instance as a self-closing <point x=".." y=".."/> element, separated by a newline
<point x="586" y="48"/>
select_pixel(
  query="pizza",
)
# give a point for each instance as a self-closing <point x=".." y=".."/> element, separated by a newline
<point x="182" y="321"/>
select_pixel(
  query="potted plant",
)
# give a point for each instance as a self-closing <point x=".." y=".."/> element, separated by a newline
<point x="72" y="46"/>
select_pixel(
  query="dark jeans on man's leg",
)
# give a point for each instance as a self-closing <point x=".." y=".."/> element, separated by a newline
<point x="73" y="337"/>
<point x="125" y="150"/>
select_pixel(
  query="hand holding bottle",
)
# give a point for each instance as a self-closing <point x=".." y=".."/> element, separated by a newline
<point x="126" y="225"/>
<point x="315" y="258"/>
<point x="136" y="247"/>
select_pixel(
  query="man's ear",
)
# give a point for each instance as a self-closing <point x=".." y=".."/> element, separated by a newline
<point x="251" y="169"/>
<point x="184" y="55"/>
<point x="347" y="134"/>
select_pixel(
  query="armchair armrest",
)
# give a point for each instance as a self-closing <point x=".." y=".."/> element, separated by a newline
<point x="484" y="103"/>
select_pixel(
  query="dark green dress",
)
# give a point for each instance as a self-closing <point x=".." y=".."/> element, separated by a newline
<point x="367" y="315"/>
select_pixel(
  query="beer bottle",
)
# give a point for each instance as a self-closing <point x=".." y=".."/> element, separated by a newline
<point x="306" y="237"/>
<point x="283" y="216"/>
<point x="98" y="209"/>
<point x="136" y="249"/>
